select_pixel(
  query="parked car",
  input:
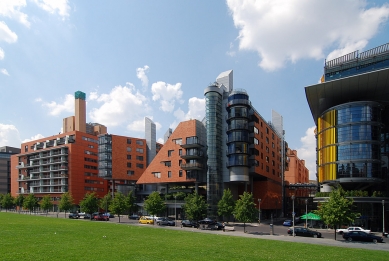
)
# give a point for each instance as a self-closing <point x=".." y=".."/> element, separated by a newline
<point x="165" y="222"/>
<point x="81" y="214"/>
<point x="349" y="229"/>
<point x="74" y="215"/>
<point x="206" y="221"/>
<point x="218" y="226"/>
<point x="134" y="217"/>
<point x="362" y="236"/>
<point x="109" y="215"/>
<point x="385" y="234"/>
<point x="146" y="220"/>
<point x="288" y="223"/>
<point x="87" y="216"/>
<point x="304" y="232"/>
<point x="99" y="217"/>
<point x="188" y="223"/>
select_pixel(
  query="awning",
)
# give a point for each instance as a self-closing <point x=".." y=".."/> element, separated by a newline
<point x="310" y="216"/>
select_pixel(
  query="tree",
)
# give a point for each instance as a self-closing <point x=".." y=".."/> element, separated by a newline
<point x="30" y="202"/>
<point x="195" y="207"/>
<point x="105" y="202"/>
<point x="226" y="205"/>
<point x="245" y="210"/>
<point x="1" y="200"/>
<point x="46" y="203"/>
<point x="66" y="202"/>
<point x="131" y="205"/>
<point x="89" y="203"/>
<point x="118" y="204"/>
<point x="154" y="204"/>
<point x="7" y="201"/>
<point x="337" y="210"/>
<point x="18" y="201"/>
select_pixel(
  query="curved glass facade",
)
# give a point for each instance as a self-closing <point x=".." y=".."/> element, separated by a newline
<point x="349" y="141"/>
<point x="238" y="136"/>
<point x="213" y="115"/>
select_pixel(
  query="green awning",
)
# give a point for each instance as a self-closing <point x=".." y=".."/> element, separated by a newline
<point x="310" y="216"/>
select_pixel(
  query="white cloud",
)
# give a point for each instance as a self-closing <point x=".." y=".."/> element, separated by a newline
<point x="161" y="140"/>
<point x="167" y="93"/>
<point x="6" y="35"/>
<point x="93" y="96"/>
<point x="35" y="137"/>
<point x="11" y="9"/>
<point x="1" y="54"/>
<point x="231" y="51"/>
<point x="9" y="136"/>
<point x="55" y="108"/>
<point x="196" y="110"/>
<point x="58" y="6"/>
<point x="308" y="151"/>
<point x="141" y="74"/>
<point x="282" y="31"/>
<point x="122" y="104"/>
<point x="4" y="71"/>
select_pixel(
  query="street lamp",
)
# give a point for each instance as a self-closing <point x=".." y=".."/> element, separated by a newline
<point x="306" y="213"/>
<point x="175" y="210"/>
<point x="294" y="234"/>
<point x="259" y="211"/>
<point x="383" y="217"/>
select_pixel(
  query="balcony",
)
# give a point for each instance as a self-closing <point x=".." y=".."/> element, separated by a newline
<point x="192" y="155"/>
<point x="192" y="166"/>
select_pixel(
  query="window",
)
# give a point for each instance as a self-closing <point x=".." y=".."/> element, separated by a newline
<point x="139" y="165"/>
<point x="273" y="163"/>
<point x="139" y="142"/>
<point x="180" y="152"/>
<point x="256" y="142"/>
<point x="272" y="136"/>
<point x="179" y="163"/>
<point x="267" y="149"/>
<point x="267" y="140"/>
<point x="267" y="159"/>
<point x="180" y="173"/>
<point x="169" y="153"/>
<point x="168" y="163"/>
<point x="90" y="146"/>
<point x="139" y="150"/>
<point x="267" y="168"/>
<point x="130" y="172"/>
<point x="128" y="149"/>
<point x="272" y="145"/>
<point x="157" y="174"/>
<point x="272" y="153"/>
<point x="128" y="164"/>
<point x="256" y="131"/>
<point x="128" y="141"/>
<point x="139" y="158"/>
<point x="178" y="141"/>
<point x="128" y="157"/>
<point x="267" y="130"/>
<point x="169" y="174"/>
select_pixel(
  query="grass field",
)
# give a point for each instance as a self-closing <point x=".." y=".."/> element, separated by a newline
<point x="29" y="237"/>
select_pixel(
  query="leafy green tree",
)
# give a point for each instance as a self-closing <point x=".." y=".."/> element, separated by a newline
<point x="195" y="207"/>
<point x="245" y="210"/>
<point x="118" y="204"/>
<point x="154" y="204"/>
<point x="131" y="203"/>
<point x="226" y="205"/>
<point x="105" y="202"/>
<point x="89" y="203"/>
<point x="337" y="210"/>
<point x="66" y="202"/>
<point x="18" y="201"/>
<point x="7" y="201"/>
<point x="46" y="203"/>
<point x="30" y="202"/>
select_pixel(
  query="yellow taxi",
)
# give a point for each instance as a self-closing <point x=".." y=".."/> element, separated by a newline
<point x="146" y="220"/>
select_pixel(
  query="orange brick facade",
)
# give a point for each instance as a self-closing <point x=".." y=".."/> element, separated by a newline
<point x="56" y="164"/>
<point x="297" y="172"/>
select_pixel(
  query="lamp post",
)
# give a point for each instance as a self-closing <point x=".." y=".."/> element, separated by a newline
<point x="306" y="213"/>
<point x="383" y="217"/>
<point x="293" y="197"/>
<point x="175" y="210"/>
<point x="259" y="211"/>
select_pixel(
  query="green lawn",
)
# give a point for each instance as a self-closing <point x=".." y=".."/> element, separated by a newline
<point x="29" y="237"/>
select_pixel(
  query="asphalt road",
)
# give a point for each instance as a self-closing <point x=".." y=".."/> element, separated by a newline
<point x="262" y="231"/>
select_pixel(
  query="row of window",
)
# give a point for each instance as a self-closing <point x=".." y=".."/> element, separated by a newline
<point x="138" y="165"/>
<point x="138" y="142"/>
<point x="169" y="174"/>
<point x="140" y="150"/>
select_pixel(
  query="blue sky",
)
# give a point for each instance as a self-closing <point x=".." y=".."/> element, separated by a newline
<point x="155" y="58"/>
